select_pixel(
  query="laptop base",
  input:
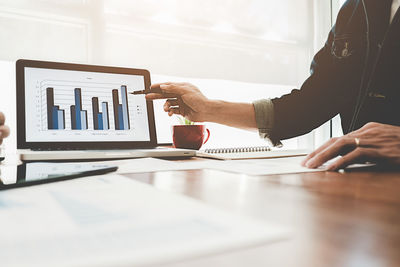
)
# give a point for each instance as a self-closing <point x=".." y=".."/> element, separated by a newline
<point x="67" y="155"/>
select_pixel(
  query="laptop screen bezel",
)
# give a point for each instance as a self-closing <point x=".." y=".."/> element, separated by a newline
<point x="21" y="64"/>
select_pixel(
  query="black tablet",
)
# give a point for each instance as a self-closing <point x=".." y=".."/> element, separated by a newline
<point x="35" y="173"/>
<point x="75" y="106"/>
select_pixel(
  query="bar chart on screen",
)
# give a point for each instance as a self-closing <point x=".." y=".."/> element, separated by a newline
<point x="82" y="106"/>
<point x="85" y="106"/>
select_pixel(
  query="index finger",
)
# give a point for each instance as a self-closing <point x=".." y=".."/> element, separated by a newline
<point x="176" y="89"/>
<point x="156" y="86"/>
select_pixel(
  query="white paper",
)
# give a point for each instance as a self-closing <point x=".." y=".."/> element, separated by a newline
<point x="111" y="220"/>
<point x="250" y="167"/>
<point x="151" y="165"/>
<point x="265" y="166"/>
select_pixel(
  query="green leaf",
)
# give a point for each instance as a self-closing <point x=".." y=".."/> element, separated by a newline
<point x="184" y="121"/>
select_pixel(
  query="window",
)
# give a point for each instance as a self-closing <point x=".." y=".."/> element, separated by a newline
<point x="238" y="50"/>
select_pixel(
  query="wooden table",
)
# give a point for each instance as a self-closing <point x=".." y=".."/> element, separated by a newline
<point x="338" y="219"/>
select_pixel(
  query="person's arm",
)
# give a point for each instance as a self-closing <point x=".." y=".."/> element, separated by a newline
<point x="187" y="100"/>
<point x="240" y="115"/>
<point x="4" y="130"/>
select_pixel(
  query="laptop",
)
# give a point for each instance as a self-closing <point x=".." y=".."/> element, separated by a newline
<point x="85" y="112"/>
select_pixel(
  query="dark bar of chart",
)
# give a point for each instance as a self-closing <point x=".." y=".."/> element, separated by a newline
<point x="96" y="113"/>
<point x="79" y="119"/>
<point x="85" y="111"/>
<point x="55" y="115"/>
<point x="116" y="111"/>
<point x="73" y="123"/>
<point x="121" y="111"/>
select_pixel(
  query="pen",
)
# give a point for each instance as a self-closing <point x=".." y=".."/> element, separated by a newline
<point x="146" y="91"/>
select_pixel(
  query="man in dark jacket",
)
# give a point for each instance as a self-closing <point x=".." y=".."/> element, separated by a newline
<point x="356" y="74"/>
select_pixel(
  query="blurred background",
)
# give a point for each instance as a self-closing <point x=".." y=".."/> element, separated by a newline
<point x="238" y="50"/>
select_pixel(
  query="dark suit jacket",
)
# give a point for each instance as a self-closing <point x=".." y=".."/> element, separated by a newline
<point x="357" y="69"/>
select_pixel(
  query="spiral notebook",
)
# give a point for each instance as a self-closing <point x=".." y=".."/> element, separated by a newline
<point x="262" y="152"/>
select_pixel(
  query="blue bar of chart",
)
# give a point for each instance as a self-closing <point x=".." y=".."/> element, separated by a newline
<point x="104" y="116"/>
<point x="120" y="117"/>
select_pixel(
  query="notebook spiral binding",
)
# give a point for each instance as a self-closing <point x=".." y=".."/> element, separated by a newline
<point x="237" y="150"/>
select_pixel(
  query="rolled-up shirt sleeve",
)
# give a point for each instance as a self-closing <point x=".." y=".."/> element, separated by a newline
<point x="264" y="110"/>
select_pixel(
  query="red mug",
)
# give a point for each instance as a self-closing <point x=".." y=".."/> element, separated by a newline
<point x="189" y="136"/>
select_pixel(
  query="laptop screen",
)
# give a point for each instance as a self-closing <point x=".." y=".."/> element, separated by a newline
<point x="64" y="105"/>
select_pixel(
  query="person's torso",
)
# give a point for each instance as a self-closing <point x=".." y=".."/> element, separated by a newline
<point x="371" y="72"/>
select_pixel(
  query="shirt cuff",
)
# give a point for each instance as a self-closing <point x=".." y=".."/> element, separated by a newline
<point x="264" y="110"/>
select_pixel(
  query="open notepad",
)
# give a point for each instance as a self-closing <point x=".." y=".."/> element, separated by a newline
<point x="249" y="153"/>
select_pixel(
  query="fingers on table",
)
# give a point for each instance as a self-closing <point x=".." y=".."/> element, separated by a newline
<point x="318" y="150"/>
<point x="357" y="155"/>
<point x="330" y="151"/>
<point x="346" y="146"/>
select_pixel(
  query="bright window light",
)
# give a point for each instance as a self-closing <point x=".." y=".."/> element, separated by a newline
<point x="238" y="50"/>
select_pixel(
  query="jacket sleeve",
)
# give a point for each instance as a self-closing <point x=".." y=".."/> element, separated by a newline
<point x="316" y="102"/>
